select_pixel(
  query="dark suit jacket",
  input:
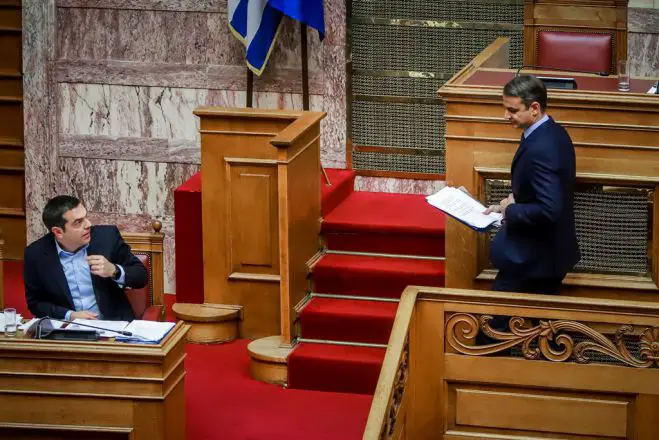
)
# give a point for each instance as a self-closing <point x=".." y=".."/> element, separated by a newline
<point x="47" y="291"/>
<point x="538" y="238"/>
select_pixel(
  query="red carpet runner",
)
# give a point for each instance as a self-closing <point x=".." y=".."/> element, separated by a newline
<point x="378" y="244"/>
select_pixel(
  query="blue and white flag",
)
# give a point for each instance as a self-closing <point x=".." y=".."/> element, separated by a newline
<point x="256" y="24"/>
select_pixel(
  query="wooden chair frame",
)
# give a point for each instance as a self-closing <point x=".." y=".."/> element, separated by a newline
<point x="583" y="16"/>
<point x="151" y="245"/>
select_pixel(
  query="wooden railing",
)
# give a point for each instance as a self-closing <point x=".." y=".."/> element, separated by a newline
<point x="567" y="368"/>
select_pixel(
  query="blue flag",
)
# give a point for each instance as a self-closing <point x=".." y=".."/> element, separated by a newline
<point x="310" y="12"/>
<point x="256" y="24"/>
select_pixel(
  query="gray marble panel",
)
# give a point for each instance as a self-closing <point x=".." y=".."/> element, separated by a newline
<point x="187" y="76"/>
<point x="146" y="36"/>
<point x="334" y="60"/>
<point x="643" y="52"/>
<point x="160" y="5"/>
<point x="643" y="20"/>
<point x="333" y="132"/>
<point x="93" y="181"/>
<point x="130" y="148"/>
<point x="335" y="22"/>
<point x="40" y="132"/>
<point x="404" y="186"/>
<point x="127" y="111"/>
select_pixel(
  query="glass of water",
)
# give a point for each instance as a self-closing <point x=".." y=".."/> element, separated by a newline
<point x="623" y="76"/>
<point x="10" y="322"/>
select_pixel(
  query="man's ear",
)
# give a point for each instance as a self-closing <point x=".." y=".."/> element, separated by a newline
<point x="57" y="231"/>
<point x="535" y="107"/>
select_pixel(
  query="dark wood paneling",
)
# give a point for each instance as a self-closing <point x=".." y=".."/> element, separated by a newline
<point x="12" y="172"/>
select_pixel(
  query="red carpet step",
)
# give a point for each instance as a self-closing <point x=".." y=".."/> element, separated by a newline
<point x="342" y="185"/>
<point x="189" y="239"/>
<point x="339" y="368"/>
<point x="385" y="223"/>
<point x="348" y="320"/>
<point x="374" y="276"/>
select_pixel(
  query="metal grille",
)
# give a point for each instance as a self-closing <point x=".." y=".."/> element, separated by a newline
<point x="612" y="227"/>
<point x="396" y="86"/>
<point x="499" y="11"/>
<point x="402" y="52"/>
<point x="402" y="125"/>
<point x="425" y="49"/>
<point x="399" y="162"/>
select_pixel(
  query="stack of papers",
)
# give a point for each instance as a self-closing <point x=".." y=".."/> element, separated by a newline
<point x="150" y="332"/>
<point x="461" y="206"/>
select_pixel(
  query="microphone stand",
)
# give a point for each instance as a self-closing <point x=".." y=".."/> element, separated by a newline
<point x="121" y="332"/>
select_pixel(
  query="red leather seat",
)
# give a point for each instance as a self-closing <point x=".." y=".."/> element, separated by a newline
<point x="580" y="51"/>
<point x="141" y="300"/>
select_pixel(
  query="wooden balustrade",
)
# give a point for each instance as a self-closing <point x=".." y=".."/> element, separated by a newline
<point x="568" y="368"/>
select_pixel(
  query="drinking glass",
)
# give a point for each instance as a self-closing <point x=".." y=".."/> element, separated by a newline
<point x="623" y="76"/>
<point x="10" y="322"/>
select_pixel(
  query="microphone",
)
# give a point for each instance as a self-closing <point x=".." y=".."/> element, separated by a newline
<point x="560" y="70"/>
<point x="121" y="332"/>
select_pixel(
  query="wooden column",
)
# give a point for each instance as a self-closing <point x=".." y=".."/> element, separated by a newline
<point x="260" y="212"/>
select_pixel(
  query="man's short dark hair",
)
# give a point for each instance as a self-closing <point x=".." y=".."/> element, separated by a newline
<point x="529" y="89"/>
<point x="53" y="212"/>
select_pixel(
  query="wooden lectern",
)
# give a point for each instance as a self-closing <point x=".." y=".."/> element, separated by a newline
<point x="616" y="137"/>
<point x="93" y="390"/>
<point x="260" y="212"/>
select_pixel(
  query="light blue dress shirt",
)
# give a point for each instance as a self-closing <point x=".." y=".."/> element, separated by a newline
<point x="79" y="278"/>
<point x="531" y="129"/>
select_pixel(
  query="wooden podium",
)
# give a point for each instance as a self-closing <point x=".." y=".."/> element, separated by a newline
<point x="260" y="173"/>
<point x="616" y="137"/>
<point x="93" y="390"/>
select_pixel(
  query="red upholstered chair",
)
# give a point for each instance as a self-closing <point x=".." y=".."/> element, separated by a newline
<point x="581" y="35"/>
<point x="578" y="51"/>
<point x="148" y="302"/>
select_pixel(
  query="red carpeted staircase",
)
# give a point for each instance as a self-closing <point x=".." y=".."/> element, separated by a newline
<point x="377" y="244"/>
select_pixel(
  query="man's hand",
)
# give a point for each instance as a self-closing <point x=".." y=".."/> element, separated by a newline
<point x="510" y="200"/>
<point x="83" y="314"/>
<point x="492" y="208"/>
<point x="100" y="266"/>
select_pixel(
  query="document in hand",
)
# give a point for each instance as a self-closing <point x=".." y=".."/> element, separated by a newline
<point x="146" y="331"/>
<point x="461" y="206"/>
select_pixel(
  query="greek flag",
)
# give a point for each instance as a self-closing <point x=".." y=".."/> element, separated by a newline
<point x="256" y="24"/>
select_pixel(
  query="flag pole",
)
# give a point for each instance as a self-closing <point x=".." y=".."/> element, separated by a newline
<point x="305" y="67"/>
<point x="250" y="87"/>
<point x="305" y="83"/>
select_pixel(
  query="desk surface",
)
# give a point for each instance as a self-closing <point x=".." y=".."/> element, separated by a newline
<point x="493" y="77"/>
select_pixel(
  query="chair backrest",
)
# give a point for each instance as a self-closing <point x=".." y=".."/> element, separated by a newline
<point x="580" y="35"/>
<point x="148" y="247"/>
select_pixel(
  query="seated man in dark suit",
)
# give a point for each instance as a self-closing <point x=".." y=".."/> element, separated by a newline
<point x="78" y="270"/>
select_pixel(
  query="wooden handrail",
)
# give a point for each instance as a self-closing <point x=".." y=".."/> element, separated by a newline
<point x="384" y="392"/>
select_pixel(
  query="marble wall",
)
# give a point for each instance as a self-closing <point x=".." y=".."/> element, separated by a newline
<point x="110" y="86"/>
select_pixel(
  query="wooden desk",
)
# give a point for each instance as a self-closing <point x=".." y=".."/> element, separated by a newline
<point x="616" y="138"/>
<point x="93" y="390"/>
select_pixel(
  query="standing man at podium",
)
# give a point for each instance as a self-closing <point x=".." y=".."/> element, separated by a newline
<point x="537" y="244"/>
<point x="78" y="270"/>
